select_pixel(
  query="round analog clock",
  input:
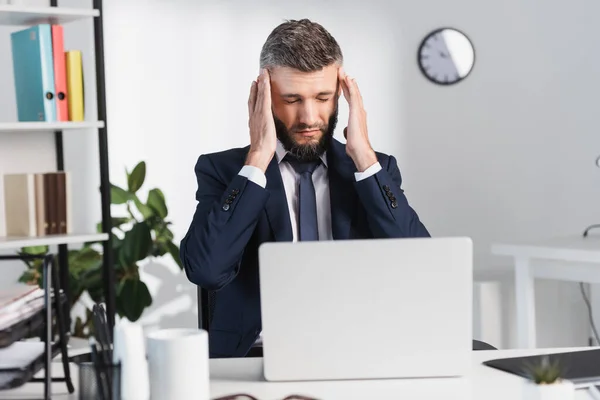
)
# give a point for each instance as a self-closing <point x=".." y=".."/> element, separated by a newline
<point x="446" y="56"/>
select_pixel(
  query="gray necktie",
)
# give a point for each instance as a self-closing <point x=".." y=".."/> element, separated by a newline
<point x="307" y="202"/>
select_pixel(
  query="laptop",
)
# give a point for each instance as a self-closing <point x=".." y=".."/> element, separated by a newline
<point x="366" y="309"/>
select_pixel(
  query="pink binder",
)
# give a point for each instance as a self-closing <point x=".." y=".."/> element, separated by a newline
<point x="60" y="73"/>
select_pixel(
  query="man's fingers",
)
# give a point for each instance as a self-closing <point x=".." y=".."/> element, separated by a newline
<point x="355" y="96"/>
<point x="357" y="93"/>
<point x="252" y="97"/>
<point x="267" y="91"/>
<point x="261" y="93"/>
<point x="351" y="88"/>
<point x="345" y="89"/>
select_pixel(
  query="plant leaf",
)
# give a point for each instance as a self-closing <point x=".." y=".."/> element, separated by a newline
<point x="159" y="249"/>
<point x="133" y="297"/>
<point x="136" y="243"/>
<point x="156" y="200"/>
<point x="34" y="250"/>
<point x="118" y="195"/>
<point x="174" y="251"/>
<point x="163" y="233"/>
<point x="116" y="223"/>
<point x="136" y="179"/>
<point x="92" y="281"/>
<point x="145" y="210"/>
<point x="31" y="277"/>
<point x="82" y="260"/>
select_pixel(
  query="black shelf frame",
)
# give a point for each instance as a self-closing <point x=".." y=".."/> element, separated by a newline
<point x="63" y="250"/>
<point x="52" y="299"/>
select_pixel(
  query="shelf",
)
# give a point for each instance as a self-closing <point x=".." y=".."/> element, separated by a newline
<point x="16" y="242"/>
<point x="25" y="15"/>
<point x="32" y="355"/>
<point x="48" y="126"/>
<point x="29" y="325"/>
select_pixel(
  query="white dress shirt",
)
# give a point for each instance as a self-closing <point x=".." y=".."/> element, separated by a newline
<point x="291" y="181"/>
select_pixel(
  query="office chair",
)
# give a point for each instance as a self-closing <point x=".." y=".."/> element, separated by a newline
<point x="206" y="307"/>
<point x="479" y="345"/>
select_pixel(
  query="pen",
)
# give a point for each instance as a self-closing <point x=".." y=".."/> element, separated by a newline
<point x="97" y="363"/>
<point x="99" y="333"/>
<point x="105" y="339"/>
<point x="107" y="333"/>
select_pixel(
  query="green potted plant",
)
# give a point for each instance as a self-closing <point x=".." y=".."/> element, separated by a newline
<point x="545" y="381"/>
<point x="139" y="232"/>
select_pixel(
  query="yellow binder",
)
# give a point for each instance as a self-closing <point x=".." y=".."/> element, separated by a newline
<point x="75" y="85"/>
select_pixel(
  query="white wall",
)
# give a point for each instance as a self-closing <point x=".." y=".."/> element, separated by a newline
<point x="507" y="154"/>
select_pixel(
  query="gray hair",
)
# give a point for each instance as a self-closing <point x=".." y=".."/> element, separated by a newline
<point x="303" y="45"/>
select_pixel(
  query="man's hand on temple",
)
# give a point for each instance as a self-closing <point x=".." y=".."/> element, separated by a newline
<point x="356" y="133"/>
<point x="263" y="137"/>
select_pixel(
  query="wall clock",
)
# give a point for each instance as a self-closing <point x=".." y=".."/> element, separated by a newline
<point x="446" y="56"/>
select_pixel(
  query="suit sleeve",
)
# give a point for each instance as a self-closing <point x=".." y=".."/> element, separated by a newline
<point x="225" y="218"/>
<point x="389" y="214"/>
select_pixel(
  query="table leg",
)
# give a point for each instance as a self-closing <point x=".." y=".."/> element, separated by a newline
<point x="477" y="310"/>
<point x="525" y="303"/>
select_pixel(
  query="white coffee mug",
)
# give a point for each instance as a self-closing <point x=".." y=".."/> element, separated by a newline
<point x="178" y="364"/>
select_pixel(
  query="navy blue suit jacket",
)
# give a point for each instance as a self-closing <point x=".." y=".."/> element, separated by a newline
<point x="234" y="216"/>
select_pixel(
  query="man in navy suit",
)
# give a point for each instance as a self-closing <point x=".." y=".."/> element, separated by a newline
<point x="293" y="182"/>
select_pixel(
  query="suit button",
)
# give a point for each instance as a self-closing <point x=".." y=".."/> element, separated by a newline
<point x="394" y="204"/>
<point x="390" y="195"/>
<point x="225" y="207"/>
<point x="386" y="188"/>
<point x="235" y="192"/>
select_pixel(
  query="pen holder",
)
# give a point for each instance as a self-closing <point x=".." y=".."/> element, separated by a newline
<point x="99" y="382"/>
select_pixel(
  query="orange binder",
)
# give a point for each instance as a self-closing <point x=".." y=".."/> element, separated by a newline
<point x="60" y="73"/>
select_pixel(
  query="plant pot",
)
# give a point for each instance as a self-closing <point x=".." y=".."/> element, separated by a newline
<point x="560" y="390"/>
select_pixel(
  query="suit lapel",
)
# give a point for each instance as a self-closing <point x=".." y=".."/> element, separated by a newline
<point x="277" y="210"/>
<point x="344" y="204"/>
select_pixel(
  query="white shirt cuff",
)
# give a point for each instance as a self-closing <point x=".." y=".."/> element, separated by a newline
<point x="372" y="170"/>
<point x="254" y="174"/>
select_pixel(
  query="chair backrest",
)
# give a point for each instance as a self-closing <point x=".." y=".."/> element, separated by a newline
<point x="206" y="307"/>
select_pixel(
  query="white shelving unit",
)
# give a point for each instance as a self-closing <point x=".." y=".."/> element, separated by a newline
<point x="18" y="17"/>
<point x="16" y="242"/>
<point x="11" y="15"/>
<point x="48" y="126"/>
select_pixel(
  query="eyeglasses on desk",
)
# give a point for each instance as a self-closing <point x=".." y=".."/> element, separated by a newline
<point x="244" y="396"/>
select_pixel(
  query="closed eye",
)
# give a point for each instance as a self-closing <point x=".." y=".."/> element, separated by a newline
<point x="297" y="100"/>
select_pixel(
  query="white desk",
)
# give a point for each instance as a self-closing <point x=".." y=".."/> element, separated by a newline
<point x="574" y="259"/>
<point x="229" y="376"/>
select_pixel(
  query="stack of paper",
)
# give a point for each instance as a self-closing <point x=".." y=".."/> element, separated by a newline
<point x="20" y="354"/>
<point x="18" y="303"/>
